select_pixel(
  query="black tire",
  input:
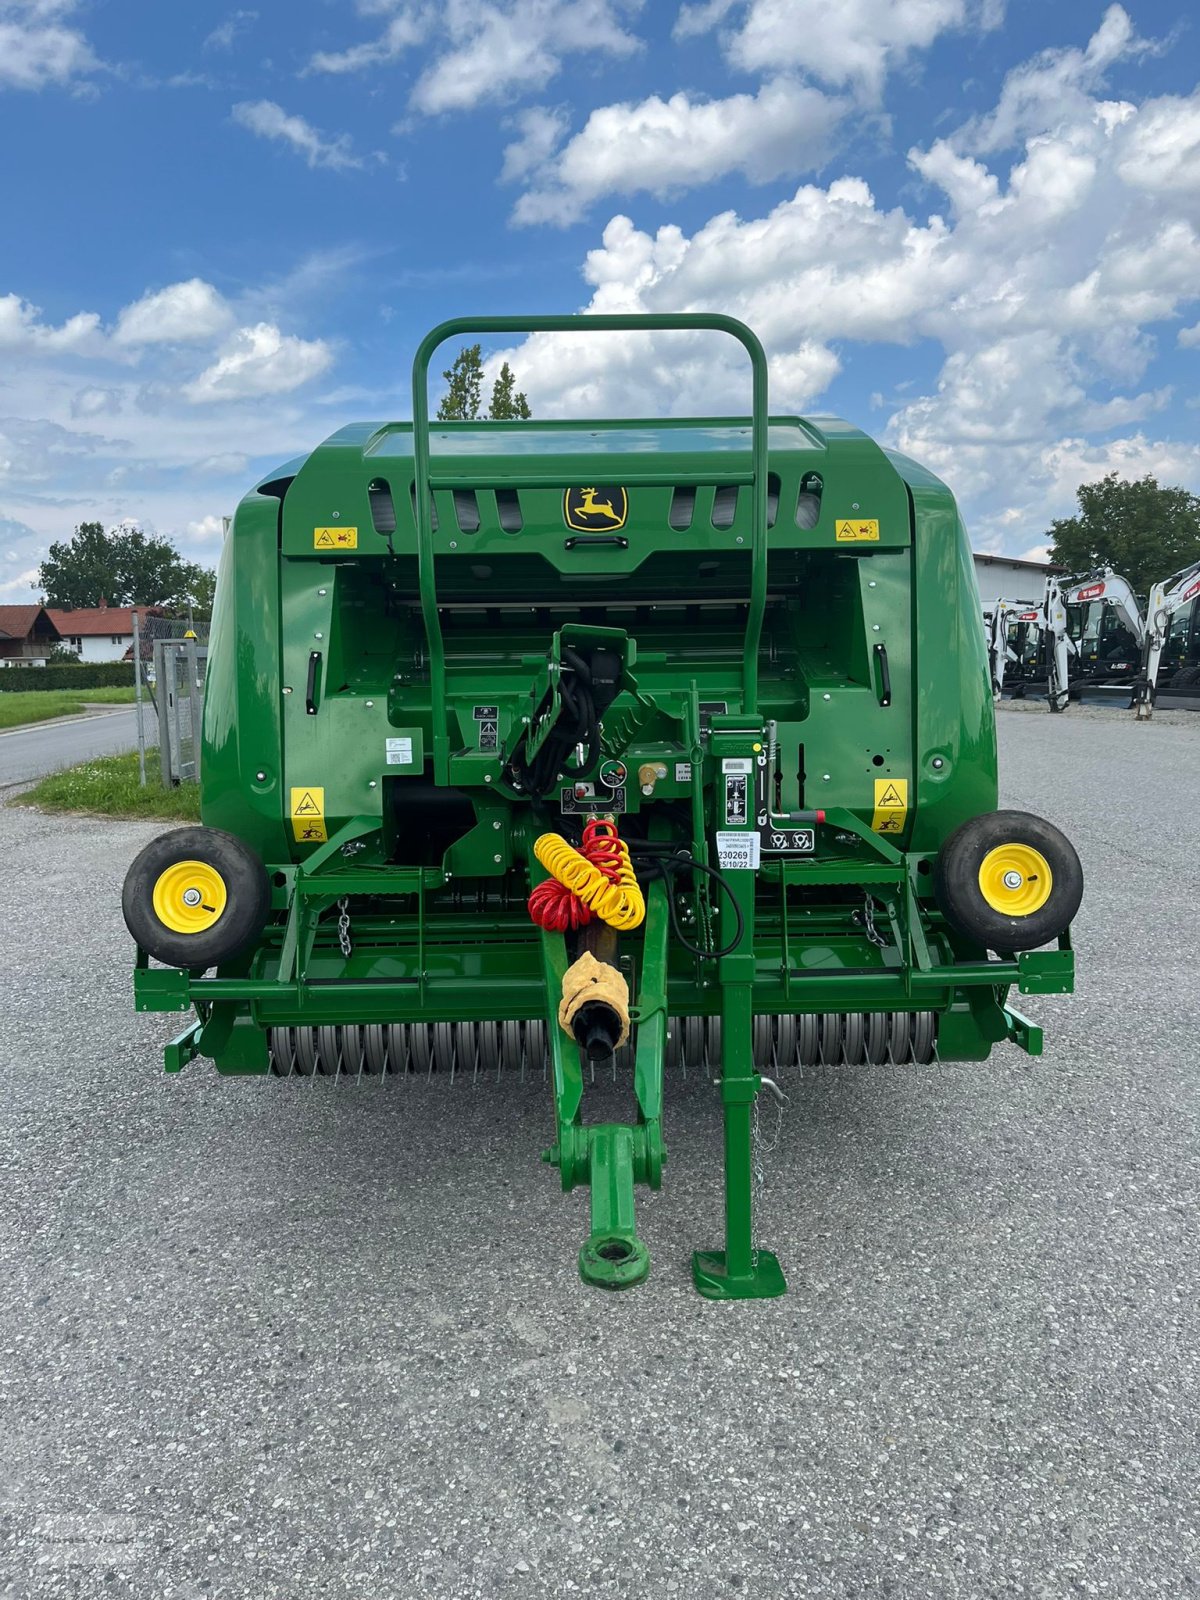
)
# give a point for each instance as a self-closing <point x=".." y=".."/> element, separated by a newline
<point x="222" y="931"/>
<point x="960" y="892"/>
<point x="1185" y="678"/>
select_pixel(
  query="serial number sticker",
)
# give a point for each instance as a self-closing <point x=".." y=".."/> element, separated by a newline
<point x="335" y="538"/>
<point x="852" y="531"/>
<point x="737" y="764"/>
<point x="399" y="752"/>
<point x="683" y="772"/>
<point x="739" y="851"/>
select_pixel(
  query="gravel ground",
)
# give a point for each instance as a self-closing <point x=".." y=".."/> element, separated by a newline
<point x="262" y="1339"/>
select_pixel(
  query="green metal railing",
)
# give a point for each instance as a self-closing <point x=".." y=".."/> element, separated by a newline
<point x="424" y="481"/>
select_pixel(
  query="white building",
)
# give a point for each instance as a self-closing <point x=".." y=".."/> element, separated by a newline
<point x="1006" y="578"/>
<point x="99" y="633"/>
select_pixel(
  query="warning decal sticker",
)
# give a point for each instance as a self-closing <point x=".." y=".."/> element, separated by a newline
<point x="855" y="530"/>
<point x="891" y="805"/>
<point x="308" y="816"/>
<point x="335" y="538"/>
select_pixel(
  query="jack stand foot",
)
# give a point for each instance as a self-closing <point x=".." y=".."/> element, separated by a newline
<point x="613" y="1260"/>
<point x="765" y="1280"/>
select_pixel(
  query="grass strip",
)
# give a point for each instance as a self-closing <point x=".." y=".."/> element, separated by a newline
<point x="107" y="786"/>
<point x="23" y="708"/>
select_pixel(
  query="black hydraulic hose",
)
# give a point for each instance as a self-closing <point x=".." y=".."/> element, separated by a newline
<point x="666" y="860"/>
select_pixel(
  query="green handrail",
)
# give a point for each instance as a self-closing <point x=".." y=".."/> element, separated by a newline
<point x="656" y="323"/>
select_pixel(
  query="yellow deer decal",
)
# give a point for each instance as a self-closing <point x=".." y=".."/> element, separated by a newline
<point x="591" y="507"/>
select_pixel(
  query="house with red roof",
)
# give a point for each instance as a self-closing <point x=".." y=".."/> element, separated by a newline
<point x="27" y="636"/>
<point x="100" y="633"/>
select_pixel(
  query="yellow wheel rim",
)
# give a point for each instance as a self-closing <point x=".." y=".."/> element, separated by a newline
<point x="1015" y="879"/>
<point x="189" y="897"/>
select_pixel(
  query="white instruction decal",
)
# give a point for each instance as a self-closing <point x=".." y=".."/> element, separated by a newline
<point x="683" y="772"/>
<point x="399" y="752"/>
<point x="739" y="850"/>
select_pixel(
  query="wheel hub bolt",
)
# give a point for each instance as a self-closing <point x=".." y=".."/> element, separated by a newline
<point x="191" y="897"/>
<point x="1013" y="880"/>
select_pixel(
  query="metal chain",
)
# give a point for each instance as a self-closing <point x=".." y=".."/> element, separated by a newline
<point x="873" y="933"/>
<point x="344" y="938"/>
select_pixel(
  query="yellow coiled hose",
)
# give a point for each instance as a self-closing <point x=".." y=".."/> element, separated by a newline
<point x="619" y="904"/>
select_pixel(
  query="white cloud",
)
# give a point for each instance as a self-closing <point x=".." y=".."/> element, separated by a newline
<point x="1052" y="89"/>
<point x="271" y="121"/>
<point x="1189" y="338"/>
<point x="1162" y="153"/>
<point x="541" y="131"/>
<point x="232" y="464"/>
<point x="21" y="329"/>
<point x="1044" y="284"/>
<point x="19" y="588"/>
<point x="182" y="313"/>
<point x="96" y="402"/>
<point x="701" y="18"/>
<point x="207" y="530"/>
<point x="853" y="44"/>
<point x="36" y="51"/>
<point x="226" y="33"/>
<point x="401" y="33"/>
<point x="486" y="50"/>
<point x="663" y="146"/>
<point x="260" y="361"/>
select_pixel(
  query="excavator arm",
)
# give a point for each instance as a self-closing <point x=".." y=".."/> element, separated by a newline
<point x="1166" y="598"/>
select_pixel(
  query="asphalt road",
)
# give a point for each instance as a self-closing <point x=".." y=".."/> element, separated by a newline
<point x="288" y="1340"/>
<point x="27" y="753"/>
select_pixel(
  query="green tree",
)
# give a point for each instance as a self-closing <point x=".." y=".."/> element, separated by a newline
<point x="460" y="403"/>
<point x="507" y="400"/>
<point x="464" y="393"/>
<point x="1138" y="528"/>
<point x="124" y="567"/>
<point x="201" y="591"/>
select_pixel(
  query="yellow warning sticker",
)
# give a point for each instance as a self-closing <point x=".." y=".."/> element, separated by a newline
<point x="851" y="532"/>
<point x="891" y="805"/>
<point x="308" y="816"/>
<point x="335" y="538"/>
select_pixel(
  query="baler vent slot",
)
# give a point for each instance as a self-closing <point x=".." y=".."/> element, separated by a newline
<point x="433" y="516"/>
<point x="725" y="505"/>
<point x="683" y="505"/>
<point x="466" y="510"/>
<point x="508" y="509"/>
<point x="808" y="502"/>
<point x="383" y="509"/>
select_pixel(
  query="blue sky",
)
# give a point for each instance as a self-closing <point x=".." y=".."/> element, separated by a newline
<point x="968" y="225"/>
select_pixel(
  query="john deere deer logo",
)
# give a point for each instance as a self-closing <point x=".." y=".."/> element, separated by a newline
<point x="599" y="508"/>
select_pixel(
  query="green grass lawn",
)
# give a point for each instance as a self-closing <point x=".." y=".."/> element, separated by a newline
<point x="26" y="706"/>
<point x="108" y="786"/>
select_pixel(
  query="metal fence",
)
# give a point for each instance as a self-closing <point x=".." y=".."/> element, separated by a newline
<point x="171" y="662"/>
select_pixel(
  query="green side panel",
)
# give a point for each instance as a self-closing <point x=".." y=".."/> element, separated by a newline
<point x="955" y="723"/>
<point x="242" y="686"/>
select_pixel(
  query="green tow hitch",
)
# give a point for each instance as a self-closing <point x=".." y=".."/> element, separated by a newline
<point x="613" y="1157"/>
